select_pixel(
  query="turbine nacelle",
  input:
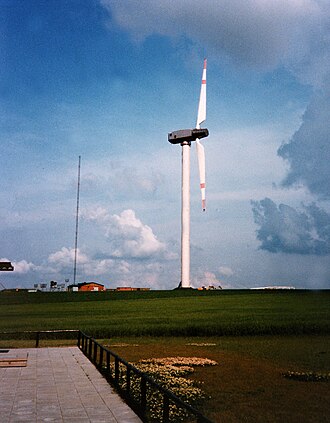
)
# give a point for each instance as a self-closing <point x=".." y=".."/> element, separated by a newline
<point x="187" y="135"/>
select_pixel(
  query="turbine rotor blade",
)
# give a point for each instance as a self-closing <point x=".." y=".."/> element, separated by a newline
<point x="201" y="115"/>
<point x="201" y="167"/>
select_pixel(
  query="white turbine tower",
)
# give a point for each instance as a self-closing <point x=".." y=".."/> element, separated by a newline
<point x="185" y="137"/>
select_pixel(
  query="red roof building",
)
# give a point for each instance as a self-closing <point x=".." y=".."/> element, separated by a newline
<point x="87" y="286"/>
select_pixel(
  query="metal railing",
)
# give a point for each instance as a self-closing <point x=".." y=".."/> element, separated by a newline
<point x="138" y="389"/>
<point x="38" y="335"/>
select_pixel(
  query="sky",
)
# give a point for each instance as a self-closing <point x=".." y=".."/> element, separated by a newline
<point x="107" y="80"/>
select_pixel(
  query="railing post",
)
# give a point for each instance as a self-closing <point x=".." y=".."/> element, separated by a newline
<point x="79" y="338"/>
<point x="128" y="381"/>
<point x="85" y="343"/>
<point x="90" y="349"/>
<point x="101" y="357"/>
<point x="116" y="371"/>
<point x="37" y="339"/>
<point x="143" y="396"/>
<point x="95" y="353"/>
<point x="166" y="409"/>
<point x="108" y="363"/>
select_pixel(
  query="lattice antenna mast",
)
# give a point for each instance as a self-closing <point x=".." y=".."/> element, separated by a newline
<point x="77" y="223"/>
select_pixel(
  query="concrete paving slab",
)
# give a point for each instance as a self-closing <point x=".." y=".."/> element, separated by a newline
<point x="59" y="385"/>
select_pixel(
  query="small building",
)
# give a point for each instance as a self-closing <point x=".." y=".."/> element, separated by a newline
<point x="87" y="286"/>
<point x="129" y="288"/>
<point x="124" y="288"/>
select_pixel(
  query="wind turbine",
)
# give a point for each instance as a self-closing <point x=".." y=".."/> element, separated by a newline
<point x="185" y="137"/>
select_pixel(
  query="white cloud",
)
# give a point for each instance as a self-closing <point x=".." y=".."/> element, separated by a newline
<point x="133" y="181"/>
<point x="226" y="271"/>
<point x="128" y="236"/>
<point x="22" y="266"/>
<point x="92" y="267"/>
<point x="134" y="178"/>
<point x="131" y="241"/>
<point x="97" y="214"/>
<point x="132" y="237"/>
<point x="65" y="257"/>
<point x="98" y="267"/>
<point x="205" y="279"/>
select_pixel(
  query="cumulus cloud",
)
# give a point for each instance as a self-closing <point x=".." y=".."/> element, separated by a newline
<point x="133" y="181"/>
<point x="226" y="271"/>
<point x="123" y="179"/>
<point x="285" y="229"/>
<point x="206" y="279"/>
<point x="128" y="236"/>
<point x="135" y="256"/>
<point x="251" y="32"/>
<point x="65" y="257"/>
<point x="132" y="238"/>
<point x="90" y="181"/>
<point x="96" y="214"/>
<point x="308" y="151"/>
<point x="62" y="260"/>
<point x="94" y="267"/>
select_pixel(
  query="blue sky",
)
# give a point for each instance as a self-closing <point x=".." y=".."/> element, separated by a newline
<point x="108" y="80"/>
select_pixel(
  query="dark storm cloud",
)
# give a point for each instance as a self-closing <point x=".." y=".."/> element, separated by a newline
<point x="308" y="151"/>
<point x="285" y="229"/>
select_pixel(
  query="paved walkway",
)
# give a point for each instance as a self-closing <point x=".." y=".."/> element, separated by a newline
<point x="58" y="385"/>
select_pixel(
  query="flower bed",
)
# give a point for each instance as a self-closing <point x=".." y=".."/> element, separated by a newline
<point x="180" y="361"/>
<point x="170" y="372"/>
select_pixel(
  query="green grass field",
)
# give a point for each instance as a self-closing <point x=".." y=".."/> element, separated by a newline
<point x="169" y="313"/>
